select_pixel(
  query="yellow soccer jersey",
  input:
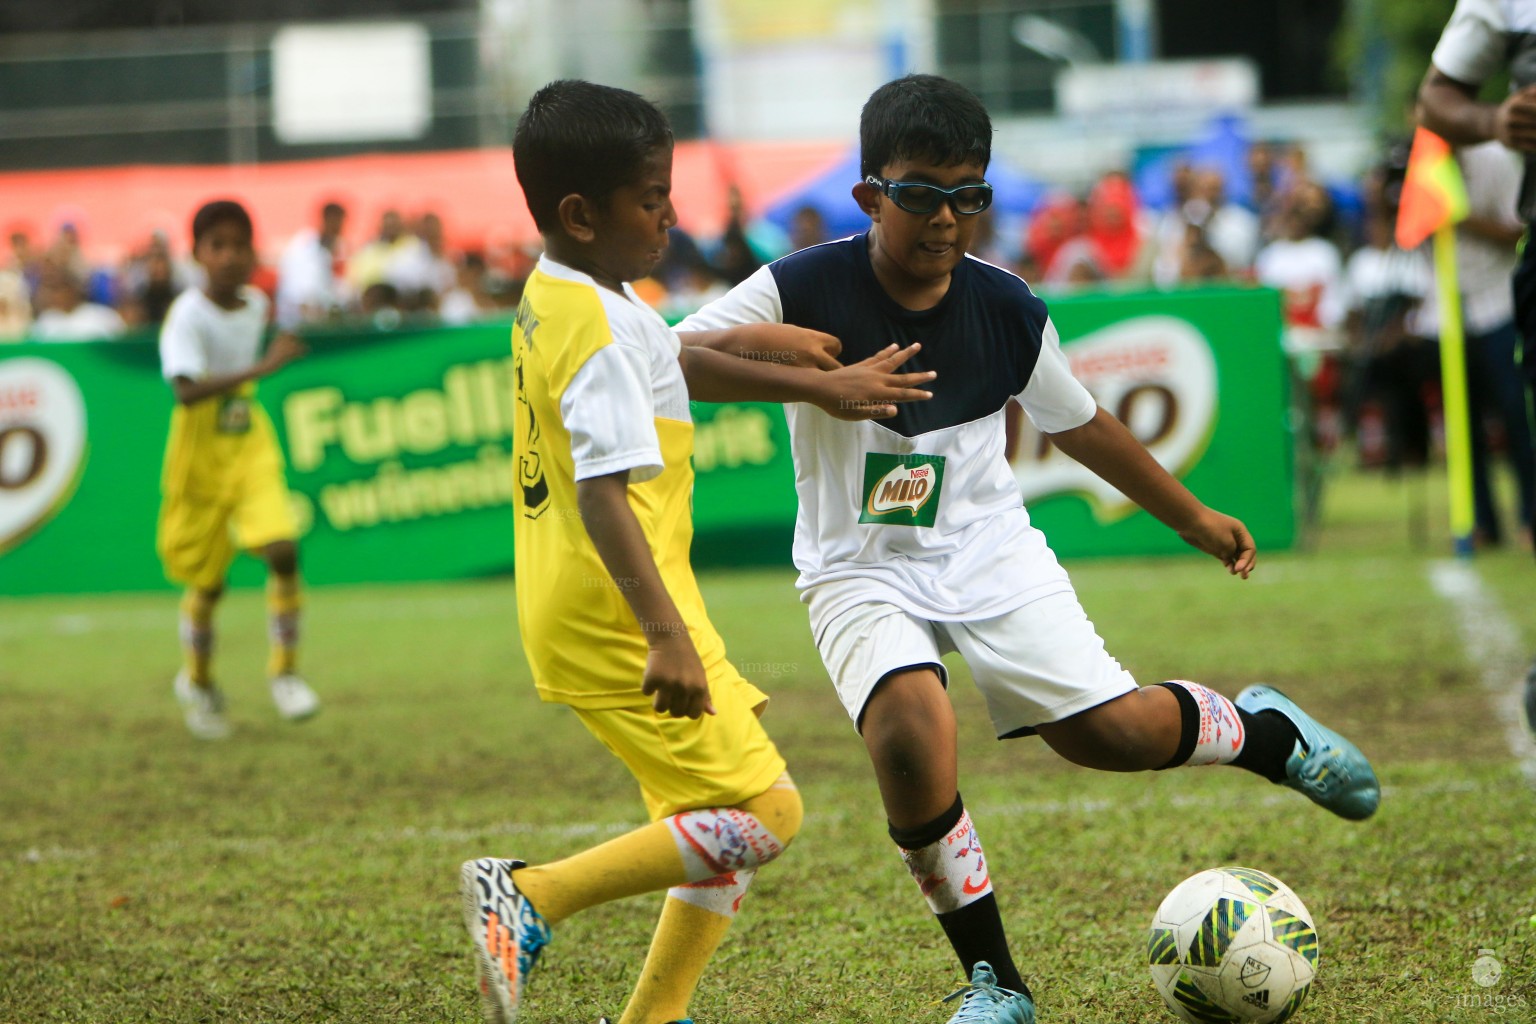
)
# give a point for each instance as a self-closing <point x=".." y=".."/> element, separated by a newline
<point x="598" y="390"/>
<point x="220" y="447"/>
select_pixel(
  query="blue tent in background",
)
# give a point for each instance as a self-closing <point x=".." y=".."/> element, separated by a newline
<point x="1223" y="147"/>
<point x="830" y="193"/>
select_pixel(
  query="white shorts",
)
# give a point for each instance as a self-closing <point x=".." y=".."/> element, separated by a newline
<point x="1039" y="663"/>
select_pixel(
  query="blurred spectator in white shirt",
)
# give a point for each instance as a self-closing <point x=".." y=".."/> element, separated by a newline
<point x="310" y="285"/>
<point x="15" y="306"/>
<point x="469" y="299"/>
<point x="64" y="315"/>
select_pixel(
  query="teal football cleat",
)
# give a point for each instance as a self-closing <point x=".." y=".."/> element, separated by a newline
<point x="1325" y="766"/>
<point x="986" y="1002"/>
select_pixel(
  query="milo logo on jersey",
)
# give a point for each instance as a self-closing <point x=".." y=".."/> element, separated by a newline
<point x="901" y="490"/>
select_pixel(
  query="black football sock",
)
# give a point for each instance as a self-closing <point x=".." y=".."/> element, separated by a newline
<point x="1268" y="742"/>
<point x="975" y="927"/>
<point x="1268" y="737"/>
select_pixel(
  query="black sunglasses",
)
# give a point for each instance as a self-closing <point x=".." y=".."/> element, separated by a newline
<point x="921" y="197"/>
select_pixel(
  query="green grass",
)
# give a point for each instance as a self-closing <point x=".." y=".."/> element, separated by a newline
<point x="309" y="873"/>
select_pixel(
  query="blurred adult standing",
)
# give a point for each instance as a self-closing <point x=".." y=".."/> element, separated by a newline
<point x="1486" y="257"/>
<point x="310" y="285"/>
<point x="1483" y="38"/>
<point x="393" y="258"/>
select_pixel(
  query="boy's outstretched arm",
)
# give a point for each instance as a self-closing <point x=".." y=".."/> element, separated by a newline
<point x="674" y="675"/>
<point x="284" y="349"/>
<point x="865" y="390"/>
<point x="1104" y="445"/>
<point x="771" y="342"/>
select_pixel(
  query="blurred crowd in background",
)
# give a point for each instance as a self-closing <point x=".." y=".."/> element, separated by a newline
<point x="399" y="271"/>
<point x="1360" y="321"/>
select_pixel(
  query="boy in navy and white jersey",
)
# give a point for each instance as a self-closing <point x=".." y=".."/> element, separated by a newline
<point x="912" y="540"/>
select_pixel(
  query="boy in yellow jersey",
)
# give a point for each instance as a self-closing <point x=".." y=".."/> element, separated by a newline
<point x="611" y="616"/>
<point x="222" y="485"/>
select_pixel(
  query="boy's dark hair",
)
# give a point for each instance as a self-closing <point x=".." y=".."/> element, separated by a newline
<point x="220" y="211"/>
<point x="923" y="117"/>
<point x="585" y="139"/>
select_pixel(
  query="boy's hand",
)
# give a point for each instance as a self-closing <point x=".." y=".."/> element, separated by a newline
<point x="675" y="678"/>
<point x="284" y="349"/>
<point x="1226" y="538"/>
<point x="865" y="390"/>
<point x="789" y="345"/>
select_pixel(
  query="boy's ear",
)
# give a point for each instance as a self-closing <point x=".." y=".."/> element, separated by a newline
<point x="575" y="214"/>
<point x="868" y="198"/>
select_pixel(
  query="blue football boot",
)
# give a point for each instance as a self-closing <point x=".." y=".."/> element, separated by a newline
<point x="1325" y="766"/>
<point x="986" y="1002"/>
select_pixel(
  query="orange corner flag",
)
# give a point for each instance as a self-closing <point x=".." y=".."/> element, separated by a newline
<point x="1433" y="193"/>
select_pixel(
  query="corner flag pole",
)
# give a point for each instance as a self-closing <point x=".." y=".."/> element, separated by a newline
<point x="1434" y="198"/>
<point x="1453" y="386"/>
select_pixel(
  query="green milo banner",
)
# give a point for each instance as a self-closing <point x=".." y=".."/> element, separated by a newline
<point x="399" y="449"/>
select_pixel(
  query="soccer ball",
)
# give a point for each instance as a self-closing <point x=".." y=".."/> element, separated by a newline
<point x="1232" y="946"/>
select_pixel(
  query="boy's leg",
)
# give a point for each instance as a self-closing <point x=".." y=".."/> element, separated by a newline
<point x="717" y="756"/>
<point x="885" y="665"/>
<point x="1179" y="723"/>
<point x="264" y="524"/>
<point x="909" y="730"/>
<point x="1043" y="668"/>
<point x="294" y="699"/>
<point x="193" y="542"/>
<point x="693" y="921"/>
<point x="283" y="605"/>
<point x="196" y="628"/>
<point x="202" y="703"/>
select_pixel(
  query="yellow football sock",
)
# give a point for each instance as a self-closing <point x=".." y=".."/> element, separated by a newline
<point x="649" y="858"/>
<point x="197" y="635"/>
<point x="686" y="938"/>
<point x="696" y="917"/>
<point x="640" y="861"/>
<point x="282" y="624"/>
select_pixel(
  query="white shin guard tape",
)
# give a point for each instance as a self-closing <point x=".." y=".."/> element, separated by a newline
<point x="952" y="873"/>
<point x="719" y="840"/>
<point x="1220" y="734"/>
<point x="719" y="895"/>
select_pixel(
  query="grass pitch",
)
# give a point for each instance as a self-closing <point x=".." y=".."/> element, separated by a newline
<point x="308" y="873"/>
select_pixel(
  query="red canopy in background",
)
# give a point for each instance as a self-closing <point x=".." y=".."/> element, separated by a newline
<point x="474" y="191"/>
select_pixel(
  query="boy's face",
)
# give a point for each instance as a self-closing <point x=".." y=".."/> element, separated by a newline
<point x="629" y="227"/>
<point x="225" y="251"/>
<point x="924" y="247"/>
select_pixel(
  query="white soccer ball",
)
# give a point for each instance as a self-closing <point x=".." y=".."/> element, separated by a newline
<point x="1232" y="946"/>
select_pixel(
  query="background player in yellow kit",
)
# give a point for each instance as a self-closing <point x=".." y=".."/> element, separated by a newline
<point x="222" y="486"/>
<point x="611" y="617"/>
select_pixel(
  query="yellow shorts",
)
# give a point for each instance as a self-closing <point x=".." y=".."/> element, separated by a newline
<point x="683" y="764"/>
<point x="197" y="540"/>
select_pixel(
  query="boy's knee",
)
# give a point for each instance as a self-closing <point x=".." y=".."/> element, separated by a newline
<point x="282" y="557"/>
<point x="780" y="811"/>
<point x="719" y="840"/>
<point x="1123" y="735"/>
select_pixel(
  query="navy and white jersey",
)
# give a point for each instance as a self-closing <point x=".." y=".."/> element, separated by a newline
<point x="923" y="509"/>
